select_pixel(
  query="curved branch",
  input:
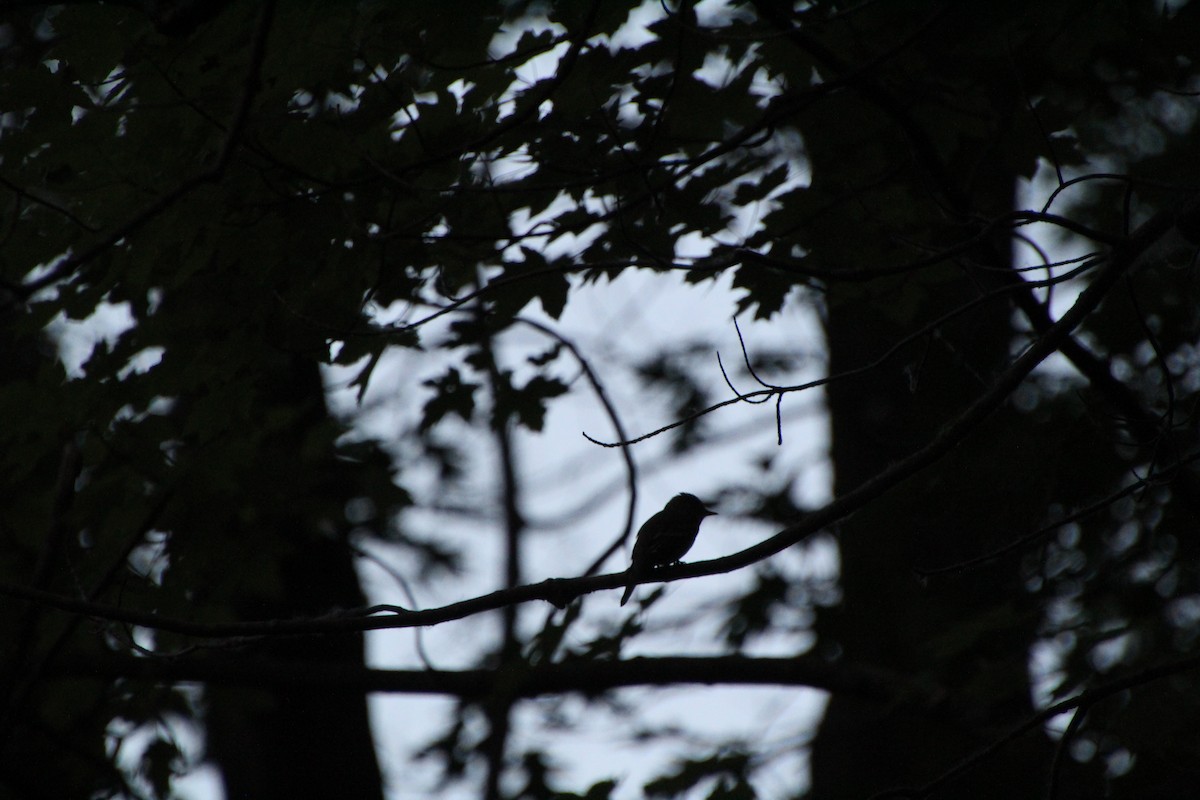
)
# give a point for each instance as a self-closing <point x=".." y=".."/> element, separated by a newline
<point x="930" y="327"/>
<point x="561" y="591"/>
<point x="618" y="426"/>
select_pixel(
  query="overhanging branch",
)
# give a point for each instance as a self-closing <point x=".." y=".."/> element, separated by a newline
<point x="521" y="681"/>
<point x="561" y="591"/>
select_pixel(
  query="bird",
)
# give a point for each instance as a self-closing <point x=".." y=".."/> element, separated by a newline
<point x="666" y="537"/>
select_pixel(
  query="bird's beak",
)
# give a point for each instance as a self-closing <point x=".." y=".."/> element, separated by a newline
<point x="709" y="513"/>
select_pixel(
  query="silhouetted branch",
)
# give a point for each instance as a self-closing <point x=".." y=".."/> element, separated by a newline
<point x="1081" y="703"/>
<point x="523" y="681"/>
<point x="615" y="418"/>
<point x="896" y="347"/>
<point x="1164" y="475"/>
<point x="561" y="591"/>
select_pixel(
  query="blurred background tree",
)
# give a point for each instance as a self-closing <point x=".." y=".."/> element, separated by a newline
<point x="344" y="271"/>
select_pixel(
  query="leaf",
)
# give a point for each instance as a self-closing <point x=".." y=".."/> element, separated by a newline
<point x="528" y="403"/>
<point x="542" y="359"/>
<point x="452" y="395"/>
<point x="729" y="768"/>
<point x="601" y="791"/>
<point x="529" y="279"/>
<point x="160" y="762"/>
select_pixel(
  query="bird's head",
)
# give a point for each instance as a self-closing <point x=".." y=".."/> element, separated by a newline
<point x="689" y="504"/>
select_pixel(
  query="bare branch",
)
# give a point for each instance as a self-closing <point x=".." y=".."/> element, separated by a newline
<point x="896" y="347"/>
<point x="1163" y="475"/>
<point x="618" y="426"/>
<point x="1082" y="702"/>
<point x="587" y="676"/>
<point x="561" y="591"/>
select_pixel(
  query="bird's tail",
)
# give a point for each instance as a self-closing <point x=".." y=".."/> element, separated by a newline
<point x="628" y="593"/>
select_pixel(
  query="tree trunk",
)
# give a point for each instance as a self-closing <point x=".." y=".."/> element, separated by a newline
<point x="283" y="743"/>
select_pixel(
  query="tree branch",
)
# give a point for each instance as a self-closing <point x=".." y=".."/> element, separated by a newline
<point x="561" y="591"/>
<point x="522" y="681"/>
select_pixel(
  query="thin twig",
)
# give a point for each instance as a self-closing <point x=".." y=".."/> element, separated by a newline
<point x="877" y="362"/>
<point x="615" y="418"/>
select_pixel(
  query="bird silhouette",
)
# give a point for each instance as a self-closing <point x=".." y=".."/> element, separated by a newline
<point x="665" y="537"/>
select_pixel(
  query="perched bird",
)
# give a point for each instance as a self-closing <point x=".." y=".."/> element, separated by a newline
<point x="664" y="538"/>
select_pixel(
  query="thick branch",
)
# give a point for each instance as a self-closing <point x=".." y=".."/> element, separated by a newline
<point x="561" y="591"/>
<point x="519" y="681"/>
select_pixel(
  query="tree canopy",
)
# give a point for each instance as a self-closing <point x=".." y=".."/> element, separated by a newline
<point x="311" y="338"/>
